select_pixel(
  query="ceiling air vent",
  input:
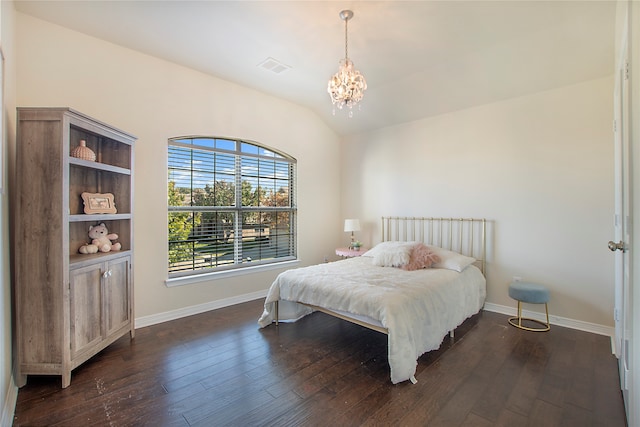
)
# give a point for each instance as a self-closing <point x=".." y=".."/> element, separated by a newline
<point x="274" y="66"/>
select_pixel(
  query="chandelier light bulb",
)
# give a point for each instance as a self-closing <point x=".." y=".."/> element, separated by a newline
<point x="346" y="87"/>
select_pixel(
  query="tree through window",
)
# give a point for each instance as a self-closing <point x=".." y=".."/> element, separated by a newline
<point x="231" y="204"/>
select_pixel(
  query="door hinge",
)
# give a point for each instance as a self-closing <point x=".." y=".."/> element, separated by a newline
<point x="626" y="70"/>
<point x="615" y="126"/>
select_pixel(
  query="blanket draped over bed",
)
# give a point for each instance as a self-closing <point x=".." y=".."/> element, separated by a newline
<point x="418" y="308"/>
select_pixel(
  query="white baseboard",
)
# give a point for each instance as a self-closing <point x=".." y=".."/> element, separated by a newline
<point x="9" y="404"/>
<point x="554" y="320"/>
<point x="153" y="319"/>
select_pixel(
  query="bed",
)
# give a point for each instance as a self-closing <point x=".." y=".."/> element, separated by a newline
<point x="417" y="308"/>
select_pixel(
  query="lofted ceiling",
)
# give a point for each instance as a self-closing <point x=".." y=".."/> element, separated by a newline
<point x="420" y="58"/>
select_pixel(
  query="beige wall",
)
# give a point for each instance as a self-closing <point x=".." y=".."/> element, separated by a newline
<point x="539" y="167"/>
<point x="156" y="100"/>
<point x="8" y="391"/>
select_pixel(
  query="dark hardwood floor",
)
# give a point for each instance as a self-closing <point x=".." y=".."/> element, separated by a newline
<point x="218" y="368"/>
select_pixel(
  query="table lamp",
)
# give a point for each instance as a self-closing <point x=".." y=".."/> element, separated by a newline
<point x="351" y="225"/>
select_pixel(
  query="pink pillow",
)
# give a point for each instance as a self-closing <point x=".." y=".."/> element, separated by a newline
<point x="421" y="257"/>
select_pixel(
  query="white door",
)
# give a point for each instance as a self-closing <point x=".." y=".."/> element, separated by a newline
<point x="621" y="244"/>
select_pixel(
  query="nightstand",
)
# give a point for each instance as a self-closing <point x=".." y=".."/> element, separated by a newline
<point x="350" y="253"/>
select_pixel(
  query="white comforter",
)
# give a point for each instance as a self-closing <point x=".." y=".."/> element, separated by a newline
<point x="418" y="308"/>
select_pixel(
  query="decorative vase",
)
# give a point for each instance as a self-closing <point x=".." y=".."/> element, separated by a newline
<point x="83" y="152"/>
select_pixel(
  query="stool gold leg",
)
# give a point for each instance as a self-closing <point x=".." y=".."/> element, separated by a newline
<point x="520" y="314"/>
<point x="546" y="309"/>
<point x="519" y="318"/>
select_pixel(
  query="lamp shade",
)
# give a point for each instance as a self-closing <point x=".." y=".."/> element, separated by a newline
<point x="351" y="225"/>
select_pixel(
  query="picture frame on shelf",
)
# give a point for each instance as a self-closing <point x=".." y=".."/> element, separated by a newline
<point x="99" y="203"/>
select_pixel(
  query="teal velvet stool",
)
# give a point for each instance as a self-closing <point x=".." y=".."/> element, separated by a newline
<point x="531" y="293"/>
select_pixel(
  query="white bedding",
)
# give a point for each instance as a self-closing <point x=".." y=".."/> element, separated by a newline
<point x="418" y="308"/>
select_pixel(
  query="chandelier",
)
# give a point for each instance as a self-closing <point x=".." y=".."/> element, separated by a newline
<point x="347" y="86"/>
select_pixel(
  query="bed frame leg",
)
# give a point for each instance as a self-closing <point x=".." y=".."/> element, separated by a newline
<point x="276" y="312"/>
<point x="413" y="379"/>
<point x="451" y="333"/>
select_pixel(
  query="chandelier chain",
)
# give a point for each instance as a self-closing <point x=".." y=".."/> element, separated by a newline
<point x="346" y="39"/>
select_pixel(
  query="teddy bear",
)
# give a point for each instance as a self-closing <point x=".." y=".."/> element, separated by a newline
<point x="101" y="240"/>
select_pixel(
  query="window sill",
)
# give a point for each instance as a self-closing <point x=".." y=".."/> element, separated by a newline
<point x="198" y="278"/>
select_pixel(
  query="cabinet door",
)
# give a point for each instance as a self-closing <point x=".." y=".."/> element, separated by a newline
<point x="85" y="308"/>
<point x="117" y="291"/>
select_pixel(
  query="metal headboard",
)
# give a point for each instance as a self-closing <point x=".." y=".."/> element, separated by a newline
<point x="463" y="235"/>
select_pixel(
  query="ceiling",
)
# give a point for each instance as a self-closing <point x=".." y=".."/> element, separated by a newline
<point x="420" y="58"/>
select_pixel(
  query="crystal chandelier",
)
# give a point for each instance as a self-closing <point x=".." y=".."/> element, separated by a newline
<point x="347" y="86"/>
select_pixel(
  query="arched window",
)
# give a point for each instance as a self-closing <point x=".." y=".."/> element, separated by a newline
<point x="231" y="204"/>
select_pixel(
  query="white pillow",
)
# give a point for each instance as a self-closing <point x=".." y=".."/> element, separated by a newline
<point x="391" y="254"/>
<point x="451" y="260"/>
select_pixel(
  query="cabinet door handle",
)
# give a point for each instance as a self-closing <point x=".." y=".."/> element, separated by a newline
<point x="106" y="274"/>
